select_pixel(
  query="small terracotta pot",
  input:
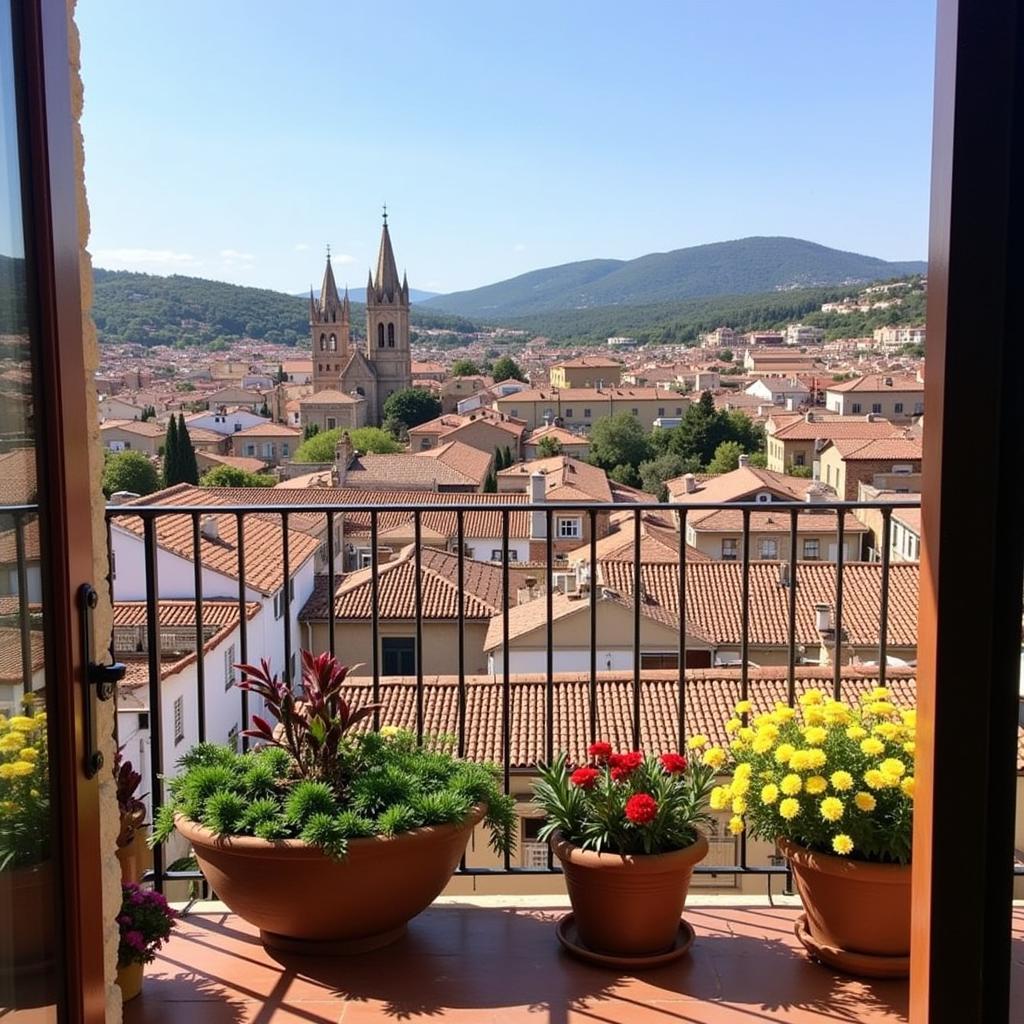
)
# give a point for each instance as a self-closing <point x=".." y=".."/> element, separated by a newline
<point x="129" y="981"/>
<point x="852" y="905"/>
<point x="29" y="941"/>
<point x="627" y="905"/>
<point x="136" y="858"/>
<point x="303" y="901"/>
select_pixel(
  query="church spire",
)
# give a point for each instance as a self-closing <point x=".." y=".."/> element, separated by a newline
<point x="329" y="300"/>
<point x="386" y="283"/>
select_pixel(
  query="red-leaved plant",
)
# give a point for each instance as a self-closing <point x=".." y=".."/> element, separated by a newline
<point x="130" y="807"/>
<point x="311" y="723"/>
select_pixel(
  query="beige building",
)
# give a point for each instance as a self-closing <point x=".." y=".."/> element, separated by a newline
<point x="146" y="436"/>
<point x="581" y="408"/>
<point x="271" y="442"/>
<point x="896" y="398"/>
<point x="483" y="428"/>
<point x="330" y="408"/>
<point x="586" y="372"/>
<point x="455" y="389"/>
<point x="845" y="464"/>
<point x="576" y="445"/>
<point x="794" y="439"/>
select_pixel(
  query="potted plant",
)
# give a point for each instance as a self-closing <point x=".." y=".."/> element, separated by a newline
<point x="832" y="785"/>
<point x="132" y="848"/>
<point x="26" y="872"/>
<point x="325" y="838"/>
<point x="144" y="924"/>
<point x="625" y="829"/>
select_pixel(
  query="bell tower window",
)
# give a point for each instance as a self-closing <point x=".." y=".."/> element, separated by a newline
<point x="334" y="343"/>
<point x="323" y="342"/>
<point x="380" y="335"/>
<point x="391" y="335"/>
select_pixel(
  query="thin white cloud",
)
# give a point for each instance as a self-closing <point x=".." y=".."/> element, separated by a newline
<point x="234" y="254"/>
<point x="300" y="246"/>
<point x="342" y="257"/>
<point x="126" y="258"/>
<point x="519" y="247"/>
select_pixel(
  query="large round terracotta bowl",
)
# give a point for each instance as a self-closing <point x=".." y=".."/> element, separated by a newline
<point x="302" y="901"/>
<point x="852" y="906"/>
<point x="627" y="905"/>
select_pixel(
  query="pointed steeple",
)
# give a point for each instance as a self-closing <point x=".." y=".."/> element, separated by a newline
<point x="329" y="300"/>
<point x="386" y="283"/>
<point x="346" y="308"/>
<point x="405" y="287"/>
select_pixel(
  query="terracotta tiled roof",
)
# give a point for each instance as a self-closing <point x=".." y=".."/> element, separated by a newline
<point x="566" y="437"/>
<point x="710" y="697"/>
<point x="452" y="464"/>
<point x="246" y="462"/>
<point x="10" y="654"/>
<point x="714" y="599"/>
<point x="144" y="428"/>
<point x="330" y="396"/>
<point x="597" y="395"/>
<point x="875" y="382"/>
<point x="269" y="430"/>
<point x="909" y="517"/>
<point x="877" y="449"/>
<point x="799" y="429"/>
<point x="18" y="476"/>
<point x="451" y="422"/>
<point x="9" y="543"/>
<point x="809" y="521"/>
<point x="182" y="613"/>
<point x="659" y="540"/>
<point x="598" y="362"/>
<point x="737" y="485"/>
<point x="565" y="478"/>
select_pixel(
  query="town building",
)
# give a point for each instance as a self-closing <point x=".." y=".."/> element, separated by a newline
<point x="581" y="408"/>
<point x="586" y="372"/>
<point x="795" y="439"/>
<point x="897" y="398"/>
<point x="844" y="463"/>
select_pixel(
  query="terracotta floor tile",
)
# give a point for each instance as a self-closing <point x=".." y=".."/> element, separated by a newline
<point x="462" y="964"/>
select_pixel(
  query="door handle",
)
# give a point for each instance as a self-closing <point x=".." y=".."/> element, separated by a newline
<point x="100" y="681"/>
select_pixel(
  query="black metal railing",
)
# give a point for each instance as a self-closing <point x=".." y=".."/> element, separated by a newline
<point x="149" y="516"/>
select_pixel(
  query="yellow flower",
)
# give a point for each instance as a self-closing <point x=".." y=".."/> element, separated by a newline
<point x="746" y="733"/>
<point x="789" y="808"/>
<point x="28" y="754"/>
<point x="743" y="770"/>
<point x="814" y="715"/>
<point x="21" y="722"/>
<point x="836" y="713"/>
<point x="799" y="761"/>
<point x="698" y="741"/>
<point x="743" y="707"/>
<point x="388" y="731"/>
<point x="832" y="808"/>
<point x="907" y="785"/>
<point x="874" y="778"/>
<point x="740" y="786"/>
<point x="887" y="730"/>
<point x="7" y="770"/>
<point x="718" y="798"/>
<point x="910" y="747"/>
<point x="811" y="697"/>
<point x="856" y="732"/>
<point x="816" y="758"/>
<point x="815" y="735"/>
<point x="784" y="752"/>
<point x="791" y="784"/>
<point x="864" y="801"/>
<point x="909" y="718"/>
<point x="735" y="824"/>
<point x="12" y="741"/>
<point x="732" y="725"/>
<point x="762" y="743"/>
<point x="770" y="793"/>
<point x="783" y="714"/>
<point x="842" y="844"/>
<point x="22" y="768"/>
<point x="882" y="709"/>
<point x="842" y="781"/>
<point x="871" y="746"/>
<point x="878" y="693"/>
<point x="739" y="805"/>
<point x="816" y="785"/>
<point x="714" y="757"/>
<point x="892" y="766"/>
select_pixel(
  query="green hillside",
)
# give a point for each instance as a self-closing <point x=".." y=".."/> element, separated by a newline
<point x="744" y="266"/>
<point x="155" y="310"/>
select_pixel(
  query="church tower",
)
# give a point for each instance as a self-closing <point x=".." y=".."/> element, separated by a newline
<point x="329" y="319"/>
<point x="387" y="325"/>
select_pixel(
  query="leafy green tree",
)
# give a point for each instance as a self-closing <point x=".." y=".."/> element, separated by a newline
<point x="412" y="406"/>
<point x="625" y="474"/>
<point x="265" y="409"/>
<point x="310" y="430"/>
<point x="506" y="368"/>
<point x="619" y="440"/>
<point x="491" y="481"/>
<point x="548" y="447"/>
<point x="759" y="460"/>
<point x="726" y="457"/>
<point x="801" y="471"/>
<point x="726" y="355"/>
<point x="129" y="471"/>
<point x="320" y="447"/>
<point x="465" y="368"/>
<point x="655" y="472"/>
<point x="232" y="476"/>
<point x="396" y="428"/>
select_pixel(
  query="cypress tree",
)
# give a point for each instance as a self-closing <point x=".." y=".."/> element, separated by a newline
<point x="507" y="456"/>
<point x="171" y="457"/>
<point x="499" y="460"/>
<point x="187" y="454"/>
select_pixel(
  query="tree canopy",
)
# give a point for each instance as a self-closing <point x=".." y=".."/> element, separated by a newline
<point x="320" y="446"/>
<point x="465" y="368"/>
<point x="412" y="406"/>
<point x="548" y="447"/>
<point x="232" y="476"/>
<point x="506" y="368"/>
<point x="129" y="471"/>
<point x="180" y="465"/>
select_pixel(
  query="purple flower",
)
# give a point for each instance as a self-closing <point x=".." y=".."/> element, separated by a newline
<point x="124" y="919"/>
<point x="135" y="940"/>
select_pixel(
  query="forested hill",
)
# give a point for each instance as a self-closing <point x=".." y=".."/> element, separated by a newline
<point x="743" y="266"/>
<point x="155" y="310"/>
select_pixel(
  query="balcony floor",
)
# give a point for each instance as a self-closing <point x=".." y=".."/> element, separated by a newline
<point x="493" y="960"/>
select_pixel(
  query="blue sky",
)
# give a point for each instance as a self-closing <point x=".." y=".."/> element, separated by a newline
<point x="232" y="140"/>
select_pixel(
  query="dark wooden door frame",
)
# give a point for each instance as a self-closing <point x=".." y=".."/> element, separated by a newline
<point x="973" y="529"/>
<point x="50" y="189"/>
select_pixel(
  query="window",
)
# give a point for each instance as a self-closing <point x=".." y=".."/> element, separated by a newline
<point x="332" y="422"/>
<point x="918" y="408"/>
<point x="229" y="667"/>
<point x="763" y="498"/>
<point x="635" y="412"/>
<point x="586" y="414"/>
<point x="902" y="468"/>
<point x="250" y="449"/>
<point x="179" y="719"/>
<point x="334" y="343"/>
<point x="661" y="410"/>
<point x="664" y="660"/>
<point x="398" y="655"/>
<point x="233" y="737"/>
<point x="898" y="407"/>
<point x="570" y="528"/>
<point x="812" y="549"/>
<point x="391" y="335"/>
<point x="513" y="412"/>
<point x="679" y="410"/>
<point x="568" y="413"/>
<point x="855" y="408"/>
<point x="380" y="335"/>
<point x="284" y="448"/>
<point x="535" y="852"/>
<point x="495" y="554"/>
<point x="876" y="407"/>
<point x="323" y="342"/>
<point x="798" y="459"/>
<point x="769" y="548"/>
<point x="730" y="547"/>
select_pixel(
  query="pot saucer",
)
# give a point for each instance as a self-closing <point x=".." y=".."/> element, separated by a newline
<point x="864" y="964"/>
<point x="568" y="936"/>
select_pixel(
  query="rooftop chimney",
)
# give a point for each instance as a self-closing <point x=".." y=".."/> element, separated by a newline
<point x="823" y="617"/>
<point x="887" y="382"/>
<point x="209" y="528"/>
<point x="808" y="416"/>
<point x="122" y="497"/>
<point x="538" y="520"/>
<point x="744" y="460"/>
<point x="343" y="453"/>
<point x="689" y="483"/>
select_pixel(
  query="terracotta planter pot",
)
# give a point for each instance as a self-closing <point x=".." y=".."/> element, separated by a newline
<point x="129" y="981"/>
<point x="629" y="905"/>
<point x="136" y="858"/>
<point x="29" y="941"/>
<point x="853" y="906"/>
<point x="303" y="901"/>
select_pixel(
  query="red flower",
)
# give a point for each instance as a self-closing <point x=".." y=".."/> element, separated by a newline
<point x="599" y="751"/>
<point x="641" y="808"/>
<point x="674" y="764"/>
<point x="623" y="765"/>
<point x="585" y="778"/>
